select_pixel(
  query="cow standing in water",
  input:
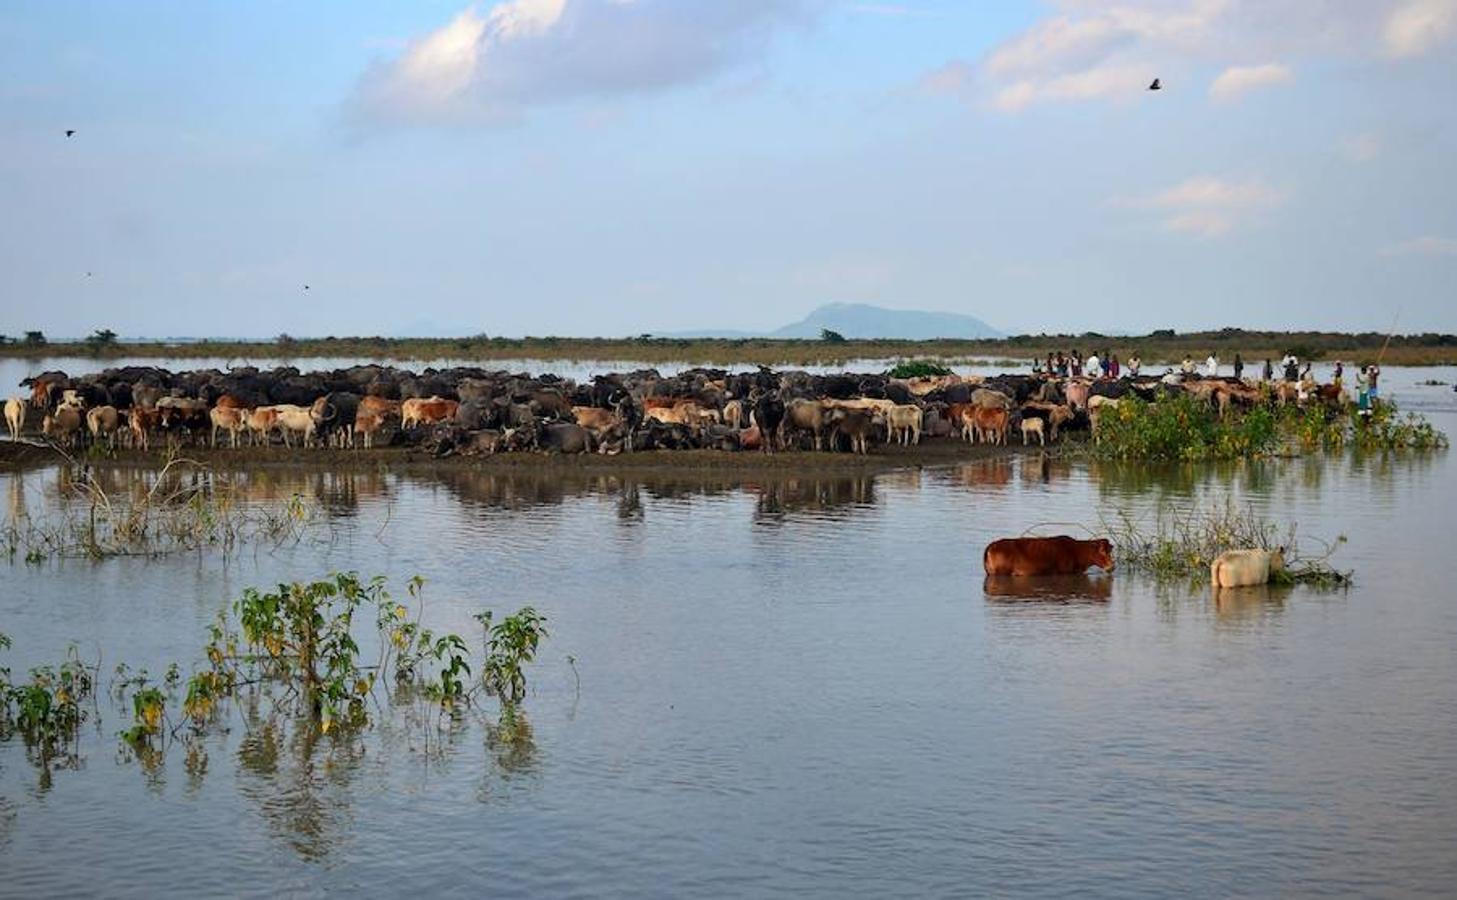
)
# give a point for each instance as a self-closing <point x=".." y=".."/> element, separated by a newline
<point x="1060" y="555"/>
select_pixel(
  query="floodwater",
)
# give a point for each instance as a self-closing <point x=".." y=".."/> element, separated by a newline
<point x="794" y="687"/>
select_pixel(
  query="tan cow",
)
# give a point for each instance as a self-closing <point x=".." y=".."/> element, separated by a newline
<point x="232" y="419"/>
<point x="733" y="414"/>
<point x="1243" y="568"/>
<point x="683" y="412"/>
<point x="103" y="421"/>
<point x="299" y="420"/>
<point x="261" y="422"/>
<point x="15" y="416"/>
<point x="904" y="422"/>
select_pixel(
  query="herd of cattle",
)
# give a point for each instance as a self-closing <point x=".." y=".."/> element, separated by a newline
<point x="475" y="411"/>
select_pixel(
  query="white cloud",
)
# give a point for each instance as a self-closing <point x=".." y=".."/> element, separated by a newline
<point x="1071" y="53"/>
<point x="1361" y="148"/>
<point x="486" y="67"/>
<point x="1208" y="206"/>
<point x="1417" y="26"/>
<point x="1430" y="245"/>
<point x="1238" y="80"/>
<point x="1101" y="82"/>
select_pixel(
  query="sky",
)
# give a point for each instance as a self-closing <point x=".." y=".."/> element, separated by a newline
<point x="615" y="167"/>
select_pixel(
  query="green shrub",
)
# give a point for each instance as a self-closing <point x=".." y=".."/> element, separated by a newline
<point x="918" y="368"/>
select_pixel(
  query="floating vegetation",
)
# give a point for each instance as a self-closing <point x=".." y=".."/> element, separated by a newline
<point x="1184" y="427"/>
<point x="1182" y="544"/>
<point x="184" y="506"/>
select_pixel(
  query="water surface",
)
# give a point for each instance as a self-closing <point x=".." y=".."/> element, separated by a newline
<point x="793" y="686"/>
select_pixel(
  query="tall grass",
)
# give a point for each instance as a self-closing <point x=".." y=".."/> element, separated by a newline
<point x="187" y="506"/>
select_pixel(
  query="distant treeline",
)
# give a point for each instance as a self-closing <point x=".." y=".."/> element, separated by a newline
<point x="1164" y="346"/>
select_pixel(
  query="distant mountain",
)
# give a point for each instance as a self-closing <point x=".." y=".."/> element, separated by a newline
<point x="861" y="320"/>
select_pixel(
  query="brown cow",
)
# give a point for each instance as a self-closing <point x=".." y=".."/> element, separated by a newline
<point x="427" y="411"/>
<point x="989" y="425"/>
<point x="1059" y="555"/>
<point x="142" y="421"/>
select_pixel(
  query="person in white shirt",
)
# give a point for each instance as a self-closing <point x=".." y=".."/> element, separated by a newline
<point x="1211" y="366"/>
<point x="1094" y="366"/>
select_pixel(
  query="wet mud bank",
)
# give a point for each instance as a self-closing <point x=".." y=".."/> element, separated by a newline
<point x="881" y="458"/>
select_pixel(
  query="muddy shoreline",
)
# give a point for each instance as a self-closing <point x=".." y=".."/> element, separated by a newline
<point x="934" y="452"/>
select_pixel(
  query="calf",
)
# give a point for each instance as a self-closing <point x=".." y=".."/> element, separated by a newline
<point x="855" y="424"/>
<point x="141" y="422"/>
<point x="1032" y="426"/>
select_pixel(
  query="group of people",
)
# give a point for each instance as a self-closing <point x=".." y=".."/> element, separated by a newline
<point x="1105" y="365"/>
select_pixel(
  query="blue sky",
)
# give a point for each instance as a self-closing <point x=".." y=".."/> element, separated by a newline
<point x="610" y="167"/>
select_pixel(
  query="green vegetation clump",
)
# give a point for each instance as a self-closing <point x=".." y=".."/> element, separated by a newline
<point x="46" y="710"/>
<point x="918" y="368"/>
<point x="1184" y="427"/>
<point x="1182" y="544"/>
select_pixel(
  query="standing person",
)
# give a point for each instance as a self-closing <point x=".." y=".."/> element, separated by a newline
<point x="1373" y="372"/>
<point x="1095" y="366"/>
<point x="1239" y="367"/>
<point x="1363" y="392"/>
<point x="1113" y="372"/>
<point x="1269" y="374"/>
<point x="1211" y="366"/>
<point x="1292" y="367"/>
<point x="1134" y="364"/>
<point x="1077" y="364"/>
<point x="1338" y="375"/>
<point x="1051" y="367"/>
<point x="1187" y="366"/>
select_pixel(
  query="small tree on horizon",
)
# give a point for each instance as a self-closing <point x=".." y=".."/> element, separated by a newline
<point x="100" y="339"/>
<point x="35" y="338"/>
<point x="831" y="337"/>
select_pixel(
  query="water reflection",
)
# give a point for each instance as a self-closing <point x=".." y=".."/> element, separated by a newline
<point x="1048" y="588"/>
<point x="1245" y="606"/>
<point x="300" y="781"/>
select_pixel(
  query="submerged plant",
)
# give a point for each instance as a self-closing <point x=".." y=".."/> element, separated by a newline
<point x="46" y="710"/>
<point x="184" y="506"/>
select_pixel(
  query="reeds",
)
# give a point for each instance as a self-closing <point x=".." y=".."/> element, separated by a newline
<point x="186" y="506"/>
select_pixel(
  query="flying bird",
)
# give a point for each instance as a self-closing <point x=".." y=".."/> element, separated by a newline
<point x="1155" y="86"/>
<point x="70" y="131"/>
<point x="306" y="287"/>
